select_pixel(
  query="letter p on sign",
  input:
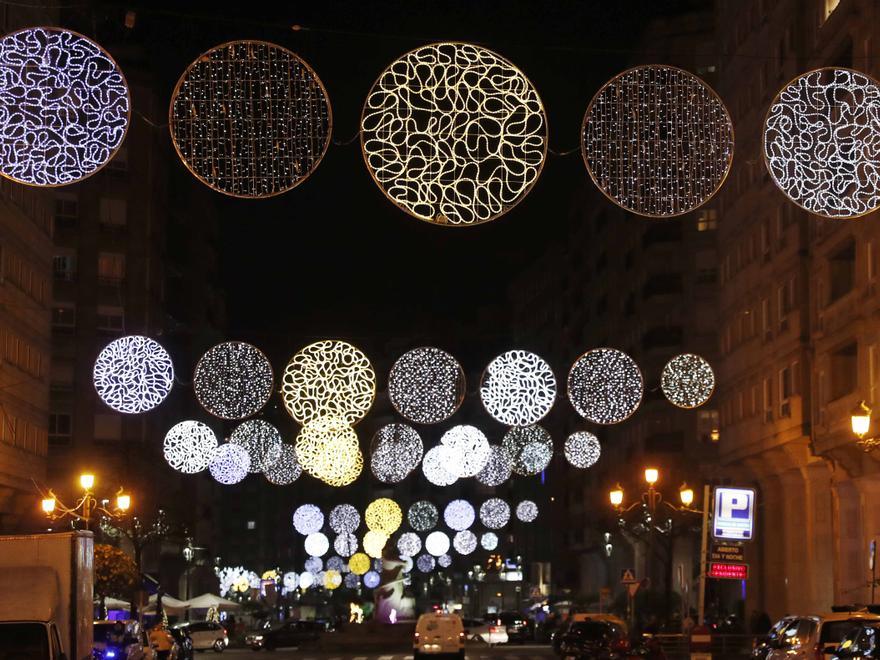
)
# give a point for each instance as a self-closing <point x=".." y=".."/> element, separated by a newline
<point x="734" y="513"/>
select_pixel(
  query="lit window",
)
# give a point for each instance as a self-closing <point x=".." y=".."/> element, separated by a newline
<point x="113" y="213"/>
<point x="707" y="220"/>
<point x="251" y="524"/>
<point x="64" y="266"/>
<point x="111" y="268"/>
<point x="110" y="319"/>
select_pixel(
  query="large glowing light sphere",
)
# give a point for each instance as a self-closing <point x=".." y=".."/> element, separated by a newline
<point x="314" y="565"/>
<point x="529" y="447"/>
<point x="250" y="140"/>
<point x="437" y="464"/>
<point x="229" y="464"/>
<point x="467" y="450"/>
<point x="308" y="519"/>
<point x="306" y="580"/>
<point x="687" y="381"/>
<point x="317" y="544"/>
<point x="497" y="469"/>
<point x="371" y="579"/>
<point x="285" y="469"/>
<point x="290" y="581"/>
<point x="189" y="446"/>
<point x="359" y="563"/>
<point x="605" y="386"/>
<point x="344" y="518"/>
<point x="328" y="449"/>
<point x="437" y="543"/>
<point x="822" y="142"/>
<point x="328" y="378"/>
<point x="444" y="561"/>
<point x="383" y="515"/>
<point x="346" y="544"/>
<point x="132" y="374"/>
<point x="374" y="543"/>
<point x="351" y="581"/>
<point x="459" y="515"/>
<point x="395" y="452"/>
<point x="332" y="579"/>
<point x="425" y="563"/>
<point x="464" y="542"/>
<point x="518" y="388"/>
<point x="526" y="511"/>
<point x="64" y="107"/>
<point x="667" y="165"/>
<point x="260" y="440"/>
<point x="426" y="385"/>
<point x="409" y="544"/>
<point x="454" y="134"/>
<point x="494" y="513"/>
<point x="582" y="449"/>
<point x="489" y="541"/>
<point x="233" y="380"/>
<point x="422" y="516"/>
<point x="335" y="564"/>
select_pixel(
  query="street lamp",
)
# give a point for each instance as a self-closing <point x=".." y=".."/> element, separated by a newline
<point x="686" y="494"/>
<point x="616" y="496"/>
<point x="860" y="419"/>
<point x="652" y="476"/>
<point x="86" y="505"/>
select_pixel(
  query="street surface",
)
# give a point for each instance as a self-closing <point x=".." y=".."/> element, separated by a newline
<point x="504" y="652"/>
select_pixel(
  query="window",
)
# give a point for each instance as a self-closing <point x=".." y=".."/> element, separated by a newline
<point x="60" y="428"/>
<point x="66" y="211"/>
<point x="785" y="302"/>
<point x="64" y="318"/>
<point x="764" y="241"/>
<point x="873" y="374"/>
<point x="768" y="400"/>
<point x="251" y="524"/>
<point x="707" y="220"/>
<point x="843" y="371"/>
<point x="111" y="268"/>
<point x="871" y="258"/>
<point x="61" y="374"/>
<point x="785" y="392"/>
<point x="766" y="326"/>
<point x="113" y="212"/>
<point x="842" y="271"/>
<point x="64" y="267"/>
<point x="110" y="319"/>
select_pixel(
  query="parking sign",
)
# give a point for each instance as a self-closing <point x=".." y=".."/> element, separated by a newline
<point x="734" y="513"/>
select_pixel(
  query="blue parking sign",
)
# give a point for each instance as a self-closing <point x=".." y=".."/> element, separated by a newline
<point x="734" y="513"/>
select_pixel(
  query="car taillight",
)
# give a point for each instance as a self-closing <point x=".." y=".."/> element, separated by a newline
<point x="492" y="629"/>
<point x="461" y="634"/>
<point x="621" y="645"/>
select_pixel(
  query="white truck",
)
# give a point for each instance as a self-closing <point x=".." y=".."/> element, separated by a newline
<point x="46" y="596"/>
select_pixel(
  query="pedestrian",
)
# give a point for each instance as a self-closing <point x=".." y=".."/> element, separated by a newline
<point x="687" y="624"/>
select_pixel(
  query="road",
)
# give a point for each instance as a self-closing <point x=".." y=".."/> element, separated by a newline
<point x="508" y="652"/>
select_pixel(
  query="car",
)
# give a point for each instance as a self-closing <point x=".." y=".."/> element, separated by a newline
<point x="184" y="643"/>
<point x="762" y="645"/>
<point x="438" y="633"/>
<point x="517" y="625"/>
<point x="206" y="635"/>
<point x="287" y="633"/>
<point x="594" y="638"/>
<point x="862" y="641"/>
<point x="488" y="632"/>
<point x="556" y="639"/>
<point x="120" y="640"/>
<point x="812" y="637"/>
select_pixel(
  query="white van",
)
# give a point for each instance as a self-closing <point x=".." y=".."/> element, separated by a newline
<point x="438" y="634"/>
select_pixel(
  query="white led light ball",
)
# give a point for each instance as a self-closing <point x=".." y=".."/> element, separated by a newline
<point x="497" y="469"/>
<point x="437" y="464"/>
<point x="687" y="380"/>
<point x="409" y="544"/>
<point x="371" y="579"/>
<point x="383" y="515"/>
<point x="582" y="449"/>
<point x="464" y="542"/>
<point x="233" y="380"/>
<point x="426" y="385"/>
<point x="529" y="447"/>
<point x="285" y="469"/>
<point x="229" y="464"/>
<point x="426" y="563"/>
<point x="306" y="580"/>
<point x="344" y="518"/>
<point x="374" y="543"/>
<point x="459" y="515"/>
<point x="444" y="561"/>
<point x="605" y="386"/>
<point x="422" y="516"/>
<point x="494" y="513"/>
<point x="133" y="374"/>
<point x="346" y="544"/>
<point x="317" y="544"/>
<point x="437" y="543"/>
<point x="308" y="519"/>
<point x="408" y="564"/>
<point x="526" y="511"/>
<point x="314" y="565"/>
<point x="467" y="449"/>
<point x="260" y="440"/>
<point x="290" y="581"/>
<point x="518" y="388"/>
<point x="189" y="446"/>
<point x="489" y="541"/>
<point x="396" y="451"/>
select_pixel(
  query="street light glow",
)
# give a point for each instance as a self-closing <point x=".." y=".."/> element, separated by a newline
<point x="861" y="419"/>
<point x="87" y="481"/>
<point x="123" y="502"/>
<point x="652" y="475"/>
<point x="616" y="496"/>
<point x="48" y="505"/>
<point x="686" y="494"/>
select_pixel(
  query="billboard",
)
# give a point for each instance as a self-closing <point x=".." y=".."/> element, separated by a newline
<point x="734" y="514"/>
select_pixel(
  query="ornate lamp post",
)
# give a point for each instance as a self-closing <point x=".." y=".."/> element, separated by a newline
<point x="860" y="419"/>
<point x="87" y="505"/>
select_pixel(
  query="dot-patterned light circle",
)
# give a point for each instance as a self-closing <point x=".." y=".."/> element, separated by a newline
<point x="189" y="446"/>
<point x="344" y="518"/>
<point x="494" y="513"/>
<point x="285" y="469"/>
<point x="518" y="388"/>
<point x="336" y="564"/>
<point x="371" y="579"/>
<point x="260" y="440"/>
<point x="822" y="142"/>
<point x="464" y="542"/>
<point x="396" y="451"/>
<point x="332" y="579"/>
<point x="314" y="565"/>
<point x="605" y="386"/>
<point x="346" y="544"/>
<point x="257" y="139"/>
<point x="426" y="563"/>
<point x="437" y="543"/>
<point x="64" y="107"/>
<point x="351" y="581"/>
<point x="132" y="374"/>
<point x="489" y="541"/>
<point x="582" y="449"/>
<point x="467" y="450"/>
<point x="530" y="449"/>
<point x="444" y="561"/>
<point x="426" y="385"/>
<point x="328" y="377"/>
<point x="454" y="134"/>
<point x="374" y="543"/>
<point x="233" y="380"/>
<point x="436" y="466"/>
<point x="459" y="515"/>
<point x="308" y="519"/>
<point x="687" y="381"/>
<point x="422" y="516"/>
<point x="497" y="469"/>
<point x="526" y="511"/>
<point x="657" y="141"/>
<point x="317" y="544"/>
<point x="383" y="515"/>
<point x="328" y="449"/>
<point x="409" y="544"/>
<point x="229" y="464"/>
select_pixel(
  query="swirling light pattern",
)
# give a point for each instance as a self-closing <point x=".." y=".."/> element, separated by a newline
<point x="396" y="450"/>
<point x="374" y="543"/>
<point x="189" y="446"/>
<point x="328" y="377"/>
<point x="494" y="513"/>
<point x="425" y="563"/>
<point x="233" y="380"/>
<point x="328" y="449"/>
<point x="444" y="561"/>
<point x="605" y="386"/>
<point x="359" y="563"/>
<point x="229" y="464"/>
<point x="582" y="449"/>
<point x="437" y="543"/>
<point x="422" y="516"/>
<point x="64" y="107"/>
<point x="459" y="515"/>
<point x="409" y="544"/>
<point x="687" y="381"/>
<point x="489" y="541"/>
<point x="314" y="565"/>
<point x="308" y="519"/>
<point x="132" y="374"/>
<point x="345" y="544"/>
<point x="526" y="511"/>
<point x="464" y="542"/>
<point x="426" y="385"/>
<point x="371" y="579"/>
<point x="497" y="469"/>
<point x="454" y="134"/>
<point x="467" y="450"/>
<point x="822" y="142"/>
<point x="260" y="440"/>
<point x="667" y="165"/>
<point x="530" y="449"/>
<point x="285" y="469"/>
<point x="344" y="518"/>
<point x="257" y="139"/>
<point x="436" y="466"/>
<point x="383" y="515"/>
<point x="317" y="544"/>
<point x="518" y="388"/>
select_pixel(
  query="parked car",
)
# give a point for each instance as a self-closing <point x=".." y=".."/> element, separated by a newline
<point x="438" y="634"/>
<point x="762" y="645"/>
<point x="488" y="632"/>
<point x="286" y="633"/>
<point x="517" y="626"/>
<point x="206" y="635"/>
<point x="861" y="642"/>
<point x="594" y="639"/>
<point x="556" y="639"/>
<point x="120" y="640"/>
<point x="812" y="637"/>
<point x="184" y="643"/>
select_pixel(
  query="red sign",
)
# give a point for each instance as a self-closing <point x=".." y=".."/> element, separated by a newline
<point x="728" y="571"/>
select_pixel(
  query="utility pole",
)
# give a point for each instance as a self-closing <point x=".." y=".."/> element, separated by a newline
<point x="704" y="551"/>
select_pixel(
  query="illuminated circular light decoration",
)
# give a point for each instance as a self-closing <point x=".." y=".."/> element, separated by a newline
<point x="422" y="516"/>
<point x="437" y="543"/>
<point x="374" y="543"/>
<point x="377" y="565"/>
<point x="328" y="378"/>
<point x="396" y="451"/>
<point x="233" y="578"/>
<point x="132" y="374"/>
<point x="306" y="580"/>
<point x="426" y="385"/>
<point x="233" y="380"/>
<point x="317" y="544"/>
<point x="687" y="381"/>
<point x="436" y="466"/>
<point x="526" y="511"/>
<point x="657" y="141"/>
<point x="290" y="581"/>
<point x="464" y="542"/>
<point x="444" y="561"/>
<point x="371" y="579"/>
<point x="409" y="544"/>
<point x="497" y="469"/>
<point x="351" y="581"/>
<point x="425" y="563"/>
<point x="260" y="440"/>
<point x="328" y="449"/>
<point x="459" y="515"/>
<point x="229" y="464"/>
<point x="308" y="519"/>
<point x="582" y="449"/>
<point x="285" y="469"/>
<point x="494" y="513"/>
<point x="250" y="140"/>
<point x="454" y="134"/>
<point x="189" y="446"/>
<point x="335" y="564"/>
<point x="467" y="450"/>
<point x="359" y="563"/>
<point x="344" y="518"/>
<point x="489" y="541"/>
<point x="605" y="386"/>
<point x="530" y="449"/>
<point x="332" y="579"/>
<point x="314" y="565"/>
<point x="346" y="544"/>
<point x="383" y="515"/>
<point x="408" y="564"/>
<point x="518" y="388"/>
<point x="822" y="142"/>
<point x="64" y="107"/>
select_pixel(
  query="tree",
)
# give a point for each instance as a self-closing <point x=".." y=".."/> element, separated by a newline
<point x="115" y="573"/>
